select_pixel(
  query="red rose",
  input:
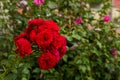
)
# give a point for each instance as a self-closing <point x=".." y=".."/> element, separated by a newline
<point x="58" y="46"/>
<point x="44" y="38"/>
<point x="58" y="40"/>
<point x="54" y="51"/>
<point x="62" y="50"/>
<point x="33" y="34"/>
<point x="28" y="30"/>
<point x="49" y="25"/>
<point x="63" y="41"/>
<point x="22" y="35"/>
<point x="40" y="25"/>
<point x="35" y="22"/>
<point x="24" y="47"/>
<point x="45" y="34"/>
<point x="47" y="61"/>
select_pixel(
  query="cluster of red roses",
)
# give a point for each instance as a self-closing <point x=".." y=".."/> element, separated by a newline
<point x="44" y="34"/>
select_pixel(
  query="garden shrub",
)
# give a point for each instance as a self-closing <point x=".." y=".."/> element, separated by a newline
<point x="93" y="51"/>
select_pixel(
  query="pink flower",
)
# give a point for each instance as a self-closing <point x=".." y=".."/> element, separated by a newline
<point x="114" y="52"/>
<point x="90" y="27"/>
<point x="83" y="3"/>
<point x="23" y="3"/>
<point x="38" y="2"/>
<point x="74" y="47"/>
<point x="78" y="21"/>
<point x="117" y="30"/>
<point x="106" y="18"/>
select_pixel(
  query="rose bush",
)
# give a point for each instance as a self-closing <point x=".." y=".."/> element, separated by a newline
<point x="44" y="34"/>
<point x="93" y="50"/>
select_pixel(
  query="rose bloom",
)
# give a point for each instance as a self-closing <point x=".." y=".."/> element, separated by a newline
<point x="32" y="35"/>
<point x="117" y="30"/>
<point x="47" y="61"/>
<point x="44" y="38"/>
<point x="62" y="50"/>
<point x="58" y="40"/>
<point x="57" y="54"/>
<point x="90" y="27"/>
<point x="32" y="24"/>
<point x="22" y="35"/>
<point x="35" y="22"/>
<point x="74" y="46"/>
<point x="57" y="46"/>
<point x="38" y="2"/>
<point x="54" y="51"/>
<point x="41" y="25"/>
<point x="106" y="18"/>
<point x="24" y="47"/>
<point x="78" y="21"/>
<point x="114" y="52"/>
<point x="48" y="24"/>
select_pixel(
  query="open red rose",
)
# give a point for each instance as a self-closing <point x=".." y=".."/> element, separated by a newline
<point x="35" y="22"/>
<point x="24" y="47"/>
<point x="58" y="46"/>
<point x="53" y="51"/>
<point x="44" y="38"/>
<point x="32" y="35"/>
<point x="47" y="61"/>
<point x="49" y="25"/>
<point x="62" y="50"/>
<point x="22" y="35"/>
<point x="58" y="40"/>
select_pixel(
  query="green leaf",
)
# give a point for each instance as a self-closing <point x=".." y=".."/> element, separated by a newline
<point x="69" y="38"/>
<point x="99" y="44"/>
<point x="75" y="35"/>
<point x="83" y="68"/>
<point x="36" y="70"/>
<point x="11" y="76"/>
<point x="25" y="71"/>
<point x="52" y="5"/>
<point x="24" y="78"/>
<point x="65" y="58"/>
<point x="77" y="77"/>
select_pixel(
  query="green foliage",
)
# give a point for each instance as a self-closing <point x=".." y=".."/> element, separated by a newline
<point x="90" y="60"/>
<point x="95" y="2"/>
